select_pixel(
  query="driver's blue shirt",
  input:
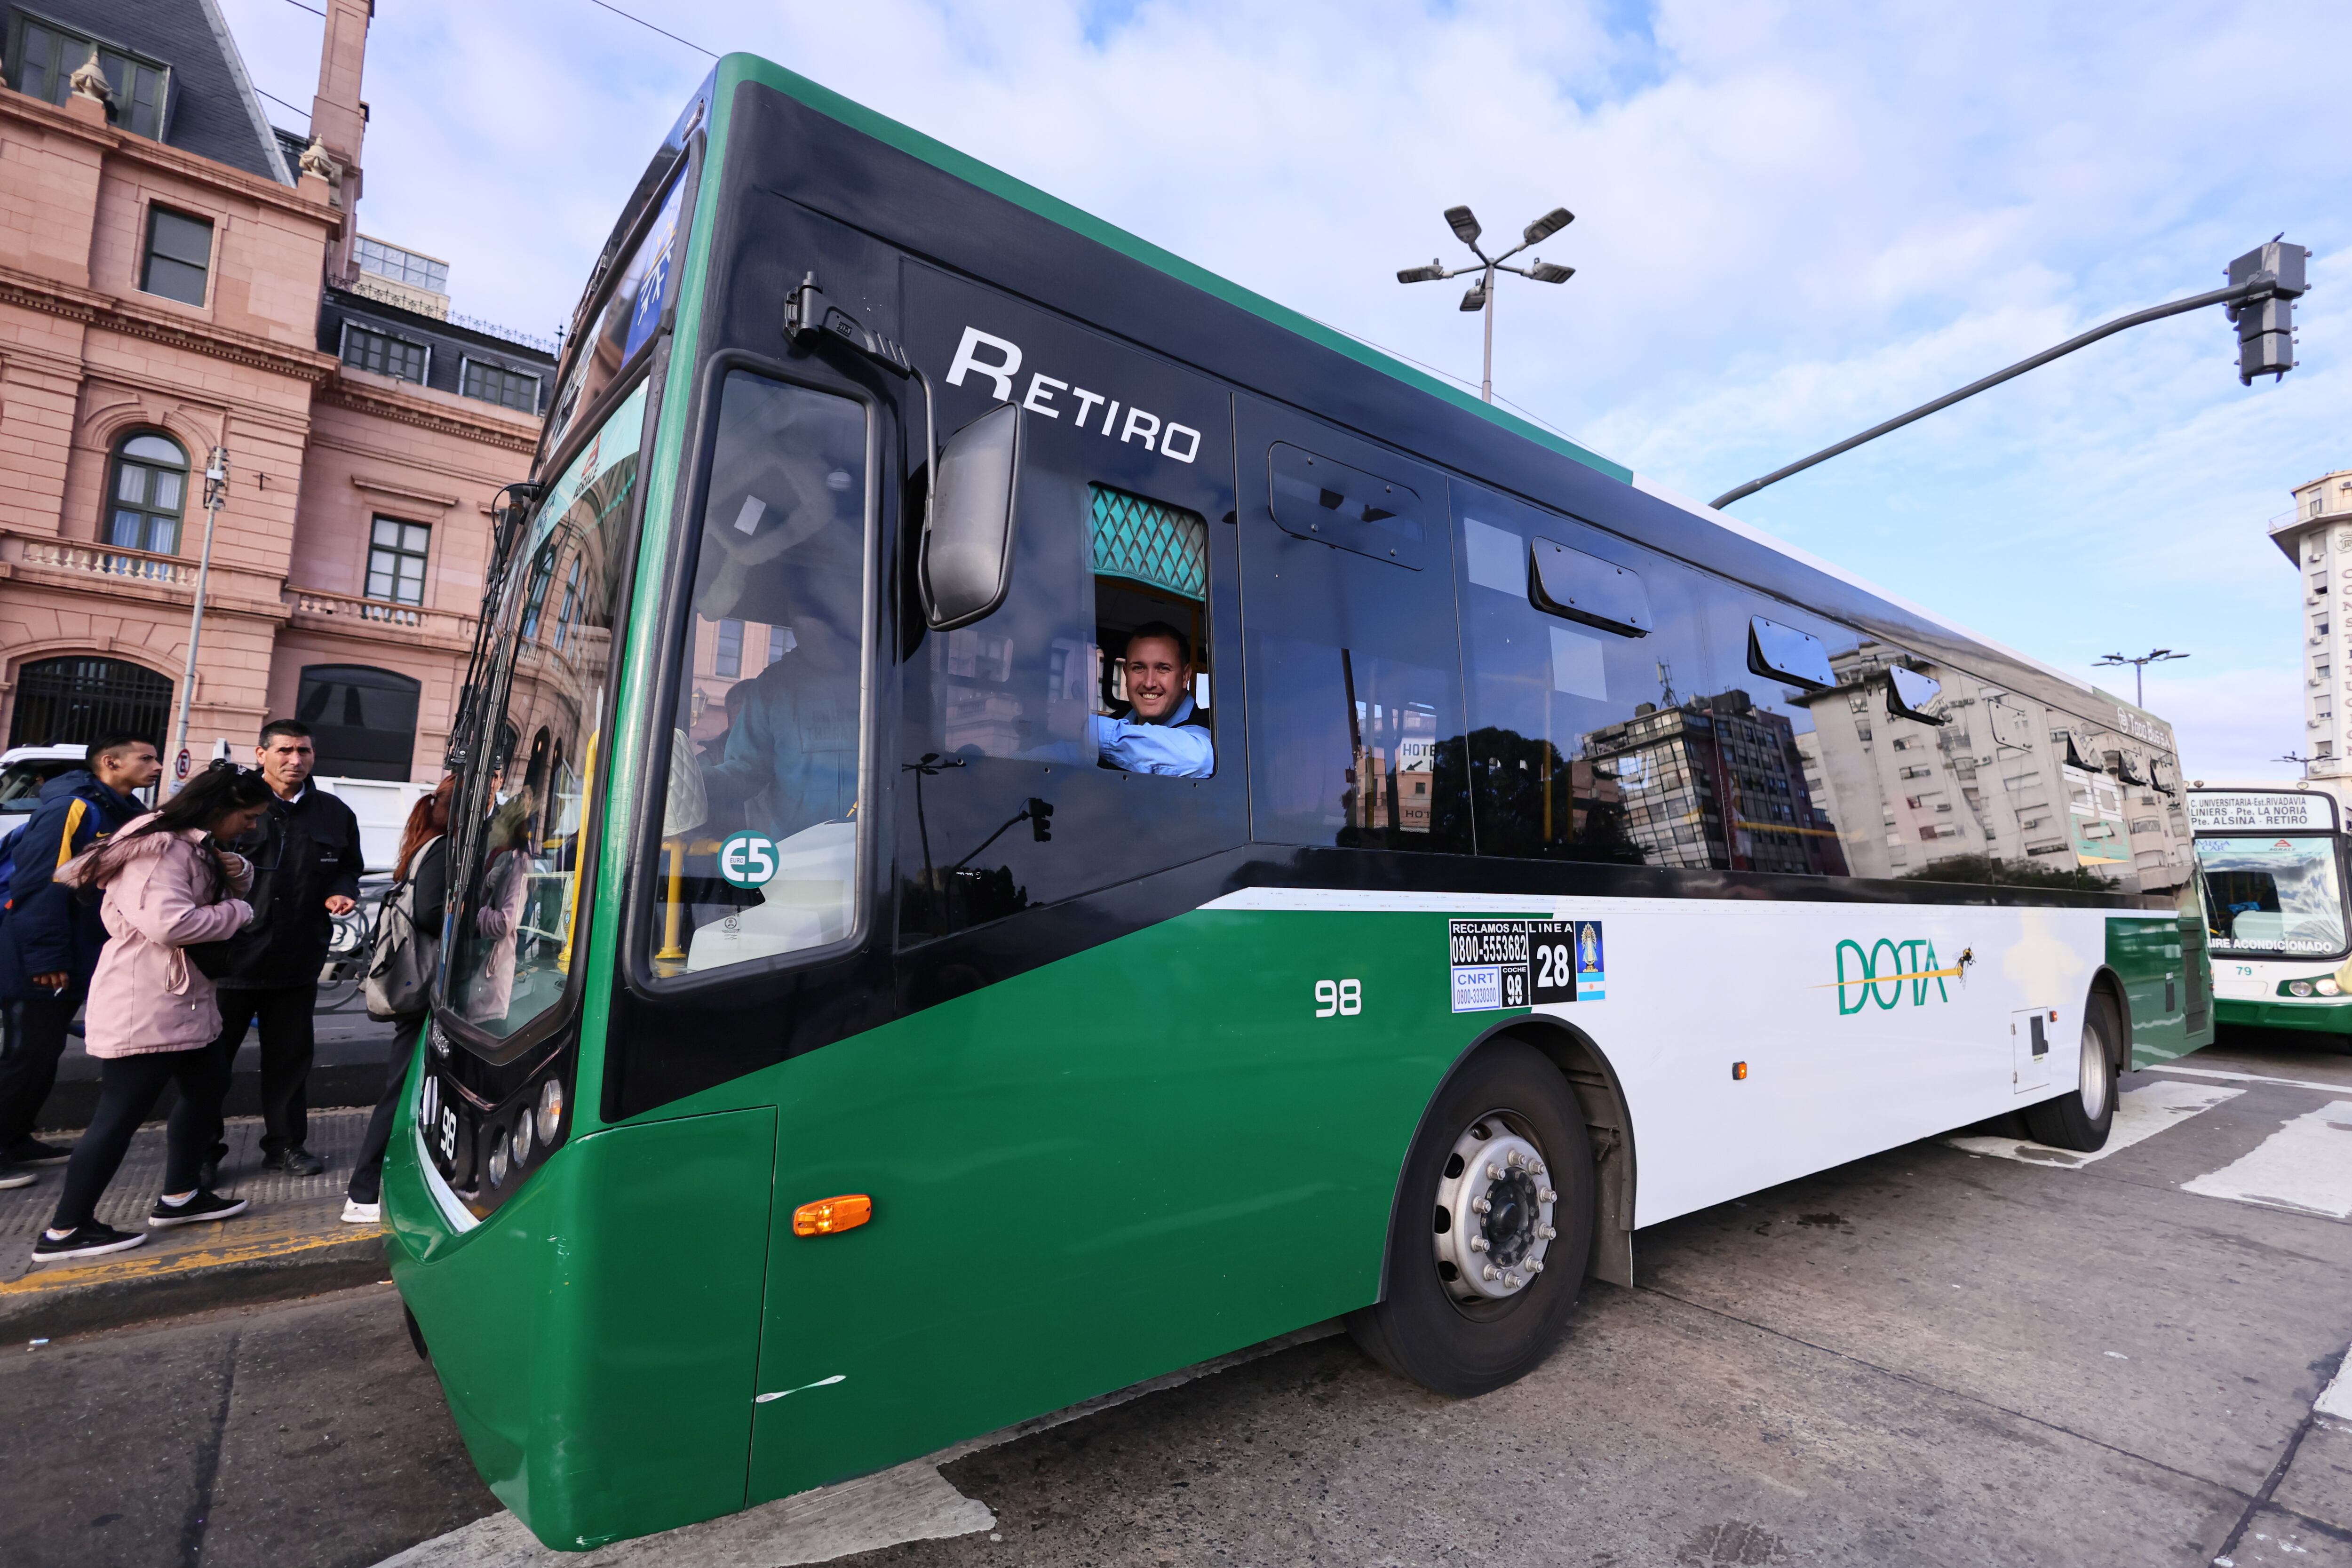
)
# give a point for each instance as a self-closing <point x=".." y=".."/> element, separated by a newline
<point x="1174" y="747"/>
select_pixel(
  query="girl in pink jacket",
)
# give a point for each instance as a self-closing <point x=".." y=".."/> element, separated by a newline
<point x="150" y="1018"/>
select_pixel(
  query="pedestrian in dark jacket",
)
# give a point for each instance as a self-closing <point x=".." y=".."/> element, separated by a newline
<point x="307" y="868"/>
<point x="50" y="937"/>
<point x="422" y="861"/>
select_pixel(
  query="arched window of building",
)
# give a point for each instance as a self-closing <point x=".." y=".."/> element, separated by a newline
<point x="149" y="494"/>
<point x="78" y="699"/>
<point x="362" y="720"/>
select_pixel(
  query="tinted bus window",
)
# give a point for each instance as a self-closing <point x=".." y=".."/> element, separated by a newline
<point x="765" y="753"/>
<point x="1357" y="736"/>
<point x="1544" y="682"/>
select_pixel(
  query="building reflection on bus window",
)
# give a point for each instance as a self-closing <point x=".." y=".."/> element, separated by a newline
<point x="512" y="948"/>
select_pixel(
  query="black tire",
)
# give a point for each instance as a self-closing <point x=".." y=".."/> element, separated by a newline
<point x="2080" y="1119"/>
<point x="1418" y="1329"/>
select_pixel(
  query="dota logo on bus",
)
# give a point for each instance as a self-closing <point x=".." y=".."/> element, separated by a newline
<point x="1881" y="971"/>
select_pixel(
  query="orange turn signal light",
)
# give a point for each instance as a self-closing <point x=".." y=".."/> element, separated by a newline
<point x="1739" y="1071"/>
<point x="826" y="1215"/>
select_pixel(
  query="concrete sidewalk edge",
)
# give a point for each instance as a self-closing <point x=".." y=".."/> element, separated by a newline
<point x="118" y="1290"/>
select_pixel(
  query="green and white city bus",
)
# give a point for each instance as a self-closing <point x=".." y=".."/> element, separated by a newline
<point x="1031" y="817"/>
<point x="2272" y="859"/>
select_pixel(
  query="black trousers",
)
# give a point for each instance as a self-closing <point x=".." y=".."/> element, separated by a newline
<point x="367" y="1177"/>
<point x="28" y="1066"/>
<point x="127" y="1090"/>
<point x="286" y="1041"/>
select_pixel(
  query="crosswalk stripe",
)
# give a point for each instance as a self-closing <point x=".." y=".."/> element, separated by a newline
<point x="2140" y="1113"/>
<point x="2306" y="1165"/>
<point x="2251" y="1077"/>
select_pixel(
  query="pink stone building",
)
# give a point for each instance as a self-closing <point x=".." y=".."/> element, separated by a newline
<point x="177" y="276"/>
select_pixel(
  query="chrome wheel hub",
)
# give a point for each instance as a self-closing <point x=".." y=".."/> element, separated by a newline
<point x="1494" y="1215"/>
<point x="2096" y="1080"/>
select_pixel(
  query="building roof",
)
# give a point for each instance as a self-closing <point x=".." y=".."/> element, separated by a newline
<point x="212" y="111"/>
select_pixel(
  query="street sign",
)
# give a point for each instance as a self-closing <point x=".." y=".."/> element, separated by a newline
<point x="180" y="764"/>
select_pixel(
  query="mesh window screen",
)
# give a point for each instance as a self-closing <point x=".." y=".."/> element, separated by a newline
<point x="1159" y="545"/>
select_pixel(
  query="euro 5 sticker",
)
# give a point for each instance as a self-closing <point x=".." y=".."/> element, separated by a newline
<point x="747" y="860"/>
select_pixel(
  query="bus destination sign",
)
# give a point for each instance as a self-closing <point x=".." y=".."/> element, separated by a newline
<point x="2261" y="811"/>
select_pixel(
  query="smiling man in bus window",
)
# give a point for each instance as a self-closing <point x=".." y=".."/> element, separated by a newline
<point x="1157" y="735"/>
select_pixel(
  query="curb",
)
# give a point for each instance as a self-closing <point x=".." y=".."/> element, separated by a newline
<point x="331" y="1087"/>
<point x="121" y="1290"/>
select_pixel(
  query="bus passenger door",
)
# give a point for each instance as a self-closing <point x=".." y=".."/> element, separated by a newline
<point x="1072" y="1175"/>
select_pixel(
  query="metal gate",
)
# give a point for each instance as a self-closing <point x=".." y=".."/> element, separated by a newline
<point x="78" y="698"/>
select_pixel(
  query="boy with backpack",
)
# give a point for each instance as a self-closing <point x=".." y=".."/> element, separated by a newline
<point x="50" y="938"/>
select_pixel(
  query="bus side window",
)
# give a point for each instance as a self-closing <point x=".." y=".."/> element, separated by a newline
<point x="1355" y="699"/>
<point x="1570" y="634"/>
<point x="1768" y="738"/>
<point x="1150" y="586"/>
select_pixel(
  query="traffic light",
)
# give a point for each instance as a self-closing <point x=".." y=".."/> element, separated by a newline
<point x="1041" y="820"/>
<point x="2266" y="322"/>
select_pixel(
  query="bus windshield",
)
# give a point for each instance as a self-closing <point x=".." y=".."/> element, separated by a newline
<point x="510" y="947"/>
<point x="2268" y="895"/>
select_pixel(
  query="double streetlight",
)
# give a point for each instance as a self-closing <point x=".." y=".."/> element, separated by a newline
<point x="2140" y="669"/>
<point x="1481" y="296"/>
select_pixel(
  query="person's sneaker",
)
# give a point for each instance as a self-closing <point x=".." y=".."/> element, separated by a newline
<point x="86" y="1241"/>
<point x="204" y="1205"/>
<point x="33" y="1152"/>
<point x="294" y="1162"/>
<point x="358" y="1212"/>
<point x="16" y="1176"/>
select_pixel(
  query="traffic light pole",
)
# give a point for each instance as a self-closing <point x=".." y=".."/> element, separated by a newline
<point x="2261" y="286"/>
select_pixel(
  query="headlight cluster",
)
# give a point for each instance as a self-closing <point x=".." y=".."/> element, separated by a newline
<point x="535" y="1125"/>
<point x="2324" y="986"/>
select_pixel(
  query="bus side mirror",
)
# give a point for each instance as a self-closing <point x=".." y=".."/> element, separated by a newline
<point x="967" y="555"/>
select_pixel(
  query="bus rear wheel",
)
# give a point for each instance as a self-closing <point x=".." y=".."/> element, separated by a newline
<point x="1491" y="1232"/>
<point x="2080" y="1121"/>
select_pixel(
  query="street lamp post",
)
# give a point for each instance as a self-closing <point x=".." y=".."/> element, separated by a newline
<point x="2140" y="669"/>
<point x="215" y="493"/>
<point x="1481" y="296"/>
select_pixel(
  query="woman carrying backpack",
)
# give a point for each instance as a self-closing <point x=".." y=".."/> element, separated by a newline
<point x="152" y="1018"/>
<point x="410" y="916"/>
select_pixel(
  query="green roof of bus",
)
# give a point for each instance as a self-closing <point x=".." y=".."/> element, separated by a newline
<point x="939" y="156"/>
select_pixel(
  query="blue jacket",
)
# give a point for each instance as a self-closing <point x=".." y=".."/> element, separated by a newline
<point x="48" y="929"/>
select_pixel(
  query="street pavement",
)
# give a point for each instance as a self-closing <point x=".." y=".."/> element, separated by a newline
<point x="1968" y="1350"/>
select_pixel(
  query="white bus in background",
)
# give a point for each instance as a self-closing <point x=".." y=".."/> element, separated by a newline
<point x="2271" y="860"/>
<point x="383" y="806"/>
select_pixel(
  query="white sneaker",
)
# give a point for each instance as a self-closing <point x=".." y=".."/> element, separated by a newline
<point x="358" y="1212"/>
<point x="16" y="1176"/>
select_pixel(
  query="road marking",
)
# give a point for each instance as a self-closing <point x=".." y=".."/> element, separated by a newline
<point x="2336" y="1399"/>
<point x="143" y="1263"/>
<point x="911" y="1503"/>
<point x="2306" y="1165"/>
<point x="2140" y="1113"/>
<point x="2252" y="1077"/>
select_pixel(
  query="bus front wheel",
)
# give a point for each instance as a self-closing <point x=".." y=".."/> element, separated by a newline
<point x="1493" y="1228"/>
<point x="2080" y="1121"/>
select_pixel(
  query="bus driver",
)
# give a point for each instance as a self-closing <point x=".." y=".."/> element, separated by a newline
<point x="1157" y="735"/>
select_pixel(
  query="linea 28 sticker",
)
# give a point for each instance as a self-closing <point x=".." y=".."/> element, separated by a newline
<point x="1498" y="963"/>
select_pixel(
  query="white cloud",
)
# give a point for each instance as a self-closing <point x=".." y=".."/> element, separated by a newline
<point x="1792" y="222"/>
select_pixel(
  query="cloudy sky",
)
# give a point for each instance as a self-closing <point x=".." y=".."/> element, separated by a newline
<point x="1792" y="221"/>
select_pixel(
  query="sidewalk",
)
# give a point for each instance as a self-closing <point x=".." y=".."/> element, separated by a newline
<point x="290" y="1242"/>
